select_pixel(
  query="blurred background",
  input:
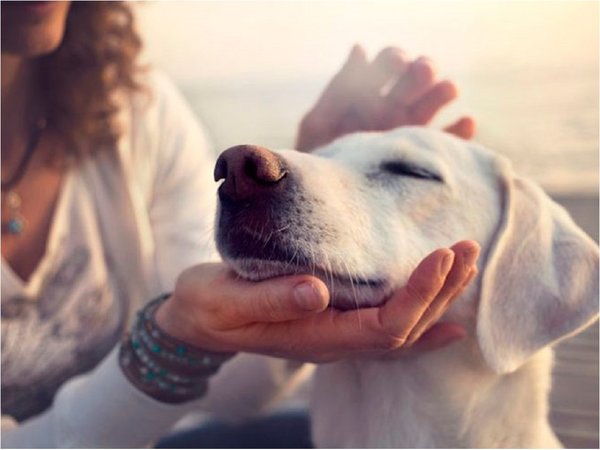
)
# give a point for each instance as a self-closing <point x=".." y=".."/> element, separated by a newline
<point x="527" y="70"/>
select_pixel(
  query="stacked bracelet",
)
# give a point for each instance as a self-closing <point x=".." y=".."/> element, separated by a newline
<point x="162" y="366"/>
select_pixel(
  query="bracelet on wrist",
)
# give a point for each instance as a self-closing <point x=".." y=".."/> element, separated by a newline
<point x="163" y="366"/>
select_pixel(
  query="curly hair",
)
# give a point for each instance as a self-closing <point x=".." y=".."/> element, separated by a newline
<point x="96" y="62"/>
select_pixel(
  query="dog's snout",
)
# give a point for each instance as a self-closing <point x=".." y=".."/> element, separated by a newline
<point x="248" y="170"/>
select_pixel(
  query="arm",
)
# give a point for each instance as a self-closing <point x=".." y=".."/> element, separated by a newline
<point x="99" y="409"/>
<point x="182" y="205"/>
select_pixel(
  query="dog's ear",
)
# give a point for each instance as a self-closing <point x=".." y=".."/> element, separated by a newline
<point x="540" y="283"/>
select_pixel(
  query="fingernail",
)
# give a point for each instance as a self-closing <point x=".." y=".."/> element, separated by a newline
<point x="356" y="54"/>
<point x="308" y="297"/>
<point x="423" y="69"/>
<point x="449" y="91"/>
<point x="446" y="264"/>
<point x="470" y="256"/>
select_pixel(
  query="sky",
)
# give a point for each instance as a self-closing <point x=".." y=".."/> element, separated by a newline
<point x="211" y="40"/>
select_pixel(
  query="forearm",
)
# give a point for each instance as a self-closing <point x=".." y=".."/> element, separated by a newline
<point x="101" y="409"/>
<point x="253" y="384"/>
<point x="104" y="409"/>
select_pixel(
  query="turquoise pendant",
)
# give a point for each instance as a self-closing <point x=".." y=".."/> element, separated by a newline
<point x="15" y="226"/>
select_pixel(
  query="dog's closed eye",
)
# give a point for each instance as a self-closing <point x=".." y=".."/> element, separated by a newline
<point x="407" y="169"/>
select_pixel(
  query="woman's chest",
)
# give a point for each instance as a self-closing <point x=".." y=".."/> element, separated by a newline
<point x="28" y="210"/>
<point x="68" y="314"/>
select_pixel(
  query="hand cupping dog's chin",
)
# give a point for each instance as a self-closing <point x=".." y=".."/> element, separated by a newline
<point x="346" y="293"/>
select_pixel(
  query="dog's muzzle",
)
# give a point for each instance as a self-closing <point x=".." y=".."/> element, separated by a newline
<point x="251" y="174"/>
<point x="265" y="228"/>
<point x="255" y="198"/>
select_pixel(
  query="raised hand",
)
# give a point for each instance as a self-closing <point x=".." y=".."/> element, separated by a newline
<point x="388" y="92"/>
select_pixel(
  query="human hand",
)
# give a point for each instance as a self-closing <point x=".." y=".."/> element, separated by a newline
<point x="389" y="92"/>
<point x="214" y="309"/>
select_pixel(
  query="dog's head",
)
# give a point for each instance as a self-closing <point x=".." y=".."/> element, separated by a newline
<point x="361" y="212"/>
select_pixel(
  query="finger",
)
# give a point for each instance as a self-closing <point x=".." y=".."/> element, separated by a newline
<point x="361" y="89"/>
<point x="348" y="78"/>
<point x="472" y="274"/>
<point x="417" y="80"/>
<point x="353" y="121"/>
<point x="407" y="306"/>
<point x="388" y="326"/>
<point x="274" y="300"/>
<point x="426" y="107"/>
<point x="466" y="254"/>
<point x="389" y="63"/>
<point x="322" y="120"/>
<point x="356" y="58"/>
<point x="330" y="334"/>
<point x="428" y="322"/>
<point x="463" y="128"/>
<point x="438" y="336"/>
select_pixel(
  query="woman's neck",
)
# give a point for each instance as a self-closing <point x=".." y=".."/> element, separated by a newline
<point x="18" y="104"/>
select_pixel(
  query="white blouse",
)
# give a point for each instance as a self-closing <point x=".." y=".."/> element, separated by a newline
<point x="69" y="314"/>
<point x="126" y="224"/>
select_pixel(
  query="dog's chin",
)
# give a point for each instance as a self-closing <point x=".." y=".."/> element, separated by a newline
<point x="346" y="292"/>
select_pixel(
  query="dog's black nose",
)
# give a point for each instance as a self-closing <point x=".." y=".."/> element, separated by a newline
<point x="248" y="171"/>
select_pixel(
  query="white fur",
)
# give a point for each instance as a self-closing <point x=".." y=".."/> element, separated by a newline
<point x="538" y="283"/>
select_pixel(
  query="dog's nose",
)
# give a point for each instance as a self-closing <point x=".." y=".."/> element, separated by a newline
<point x="248" y="171"/>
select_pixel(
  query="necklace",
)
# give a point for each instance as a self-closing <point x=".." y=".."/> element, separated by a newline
<point x="16" y="222"/>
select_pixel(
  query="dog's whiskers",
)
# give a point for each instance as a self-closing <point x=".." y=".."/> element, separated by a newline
<point x="291" y="260"/>
<point x="283" y="228"/>
<point x="329" y="277"/>
<point x="354" y="293"/>
<point x="313" y="266"/>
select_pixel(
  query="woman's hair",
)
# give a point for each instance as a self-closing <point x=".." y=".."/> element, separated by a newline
<point x="96" y="61"/>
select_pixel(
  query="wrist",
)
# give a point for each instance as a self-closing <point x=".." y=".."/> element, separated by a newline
<point x="170" y="319"/>
<point x="184" y="325"/>
<point x="163" y="366"/>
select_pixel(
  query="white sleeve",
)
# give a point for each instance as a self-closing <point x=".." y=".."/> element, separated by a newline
<point x="98" y="410"/>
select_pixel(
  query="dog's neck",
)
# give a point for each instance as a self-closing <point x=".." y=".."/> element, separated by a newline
<point x="446" y="398"/>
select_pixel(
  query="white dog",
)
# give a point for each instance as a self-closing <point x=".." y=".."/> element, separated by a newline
<point x="361" y="213"/>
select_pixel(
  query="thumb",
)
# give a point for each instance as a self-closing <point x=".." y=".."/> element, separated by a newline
<point x="356" y="57"/>
<point x="277" y="300"/>
<point x="439" y="335"/>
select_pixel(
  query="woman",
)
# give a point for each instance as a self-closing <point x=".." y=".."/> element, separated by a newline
<point x="107" y="201"/>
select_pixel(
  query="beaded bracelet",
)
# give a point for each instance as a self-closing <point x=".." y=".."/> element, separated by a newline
<point x="162" y="366"/>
